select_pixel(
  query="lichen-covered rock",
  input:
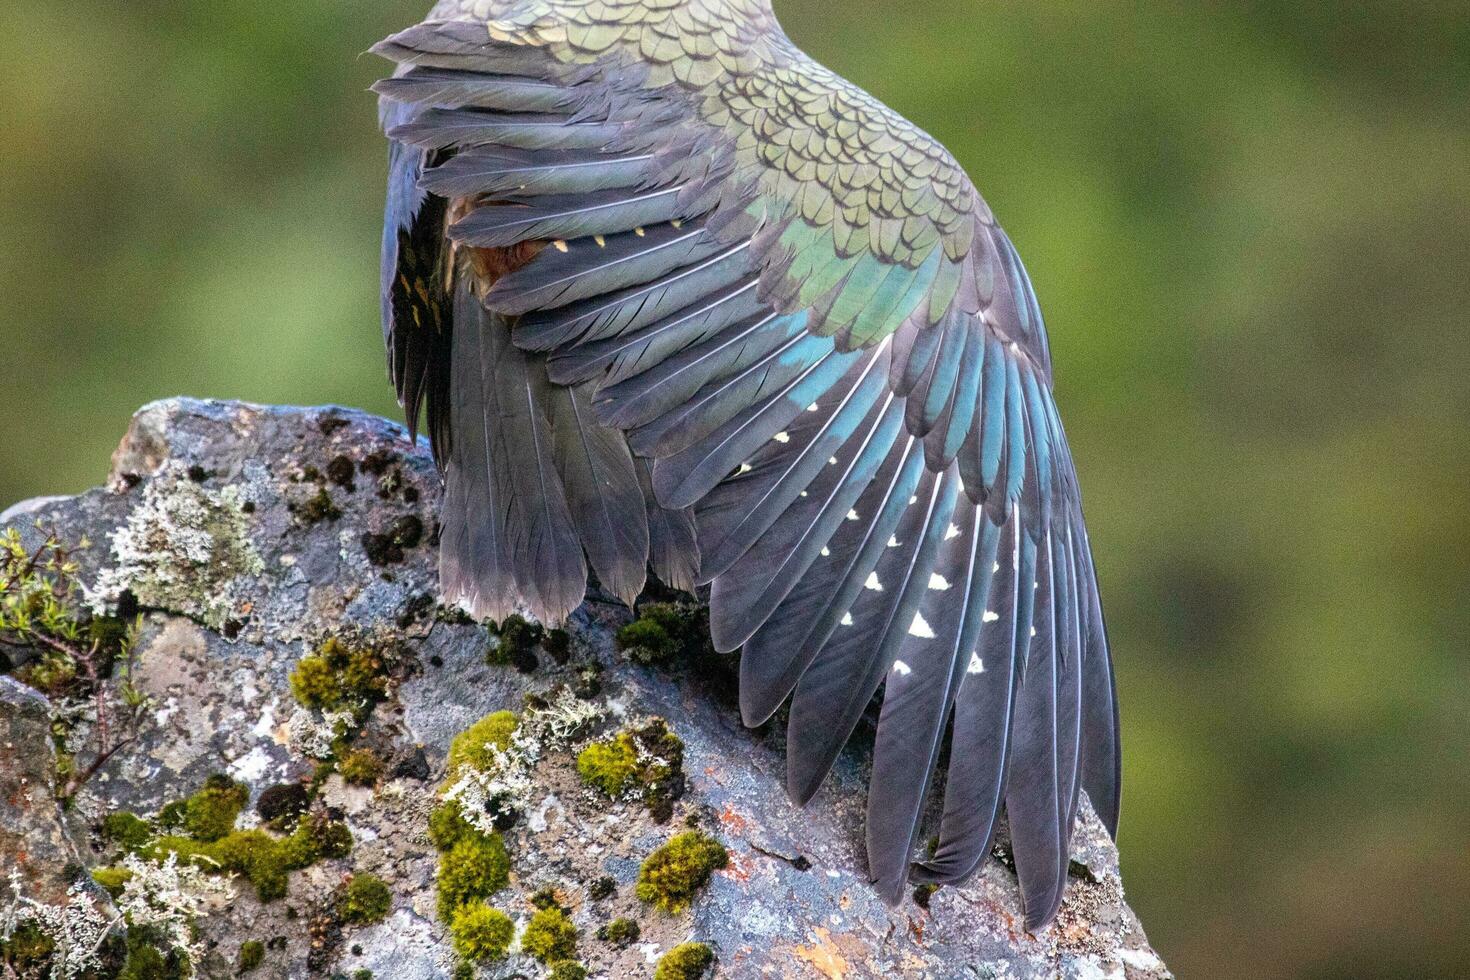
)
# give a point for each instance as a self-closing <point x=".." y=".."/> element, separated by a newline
<point x="252" y="539"/>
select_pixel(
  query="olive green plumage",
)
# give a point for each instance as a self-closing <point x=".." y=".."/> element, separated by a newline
<point x="715" y="310"/>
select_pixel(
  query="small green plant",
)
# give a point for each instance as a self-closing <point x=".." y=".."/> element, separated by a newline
<point x="252" y="954"/>
<point x="610" y="766"/>
<point x="567" y="970"/>
<point x="126" y="830"/>
<point x="112" y="879"/>
<point x="673" y="874"/>
<point x="550" y="936"/>
<point x="664" y="631"/>
<point x="211" y="813"/>
<point x="265" y="861"/>
<point x="366" y="899"/>
<point x="620" y="932"/>
<point x="75" y="655"/>
<point x="481" y="934"/>
<point x="688" y="961"/>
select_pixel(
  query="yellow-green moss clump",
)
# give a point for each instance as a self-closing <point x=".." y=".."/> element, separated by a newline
<point x="620" y="932"/>
<point x="567" y="970"/>
<point x="473" y="869"/>
<point x="471" y="747"/>
<point x="365" y="900"/>
<point x="671" y="875"/>
<point x="550" y="936"/>
<point x="252" y="954"/>
<point x="480" y="933"/>
<point x="112" y="880"/>
<point x="361" y="767"/>
<point x="647" y="761"/>
<point x="127" y="830"/>
<point x="265" y="861"/>
<point x="610" y="766"/>
<point x="339" y="677"/>
<point x="688" y="961"/>
<point x="665" y="630"/>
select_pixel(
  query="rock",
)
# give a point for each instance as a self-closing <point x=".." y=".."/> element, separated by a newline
<point x="33" y="840"/>
<point x="249" y="536"/>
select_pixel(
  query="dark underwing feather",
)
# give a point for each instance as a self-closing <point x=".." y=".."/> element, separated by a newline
<point x="602" y="492"/>
<point x="475" y="565"/>
<point x="496" y="170"/>
<point x="673" y="549"/>
<point x="446" y="88"/>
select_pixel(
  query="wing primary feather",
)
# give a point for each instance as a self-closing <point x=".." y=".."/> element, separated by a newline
<point x="672" y="543"/>
<point x="941" y="647"/>
<point x="836" y="688"/>
<point x="784" y="647"/>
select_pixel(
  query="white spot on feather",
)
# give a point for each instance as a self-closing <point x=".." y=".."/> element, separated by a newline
<point x="745" y="467"/>
<point x="847" y="619"/>
<point x="902" y="669"/>
<point x="920" y="627"/>
<point x="826" y="552"/>
<point x="783" y="437"/>
<point x="812" y="407"/>
<point x="873" y="583"/>
<point x="991" y="616"/>
<point x="832" y="461"/>
<point x="938" y="582"/>
<point x="953" y="532"/>
<point x="893" y="541"/>
<point x="977" y="666"/>
<point x="852" y="515"/>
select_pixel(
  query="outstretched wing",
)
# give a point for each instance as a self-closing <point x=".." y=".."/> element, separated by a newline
<point x="797" y="307"/>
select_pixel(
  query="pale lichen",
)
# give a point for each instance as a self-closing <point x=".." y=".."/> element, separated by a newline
<point x="184" y="548"/>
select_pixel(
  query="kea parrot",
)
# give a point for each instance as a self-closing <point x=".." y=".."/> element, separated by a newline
<point x="670" y="295"/>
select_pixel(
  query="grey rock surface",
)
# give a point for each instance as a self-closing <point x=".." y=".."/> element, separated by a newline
<point x="248" y="535"/>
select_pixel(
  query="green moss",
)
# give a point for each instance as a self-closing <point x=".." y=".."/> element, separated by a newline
<point x="252" y="954"/>
<point x="447" y="825"/>
<point x="550" y="936"/>
<point x="547" y="897"/>
<point x="145" y="962"/>
<point x="112" y="879"/>
<point x="671" y="875"/>
<point x="319" y="507"/>
<point x="27" y="951"/>
<point x="475" y="868"/>
<point x="126" y="830"/>
<point x="688" y="961"/>
<point x="610" y="766"/>
<point x="480" y="933"/>
<point x="646" y="642"/>
<point x="603" y="887"/>
<point x="340" y="677"/>
<point x="361" y="767"/>
<point x="471" y="746"/>
<point x="265" y="861"/>
<point x="210" y="814"/>
<point x="648" y="761"/>
<point x="558" y="643"/>
<point x="664" y="631"/>
<point x="620" y="932"/>
<point x="366" y="899"/>
<point x="567" y="970"/>
<point x="363" y="974"/>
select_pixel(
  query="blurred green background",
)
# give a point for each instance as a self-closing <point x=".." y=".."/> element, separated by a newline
<point x="1249" y="223"/>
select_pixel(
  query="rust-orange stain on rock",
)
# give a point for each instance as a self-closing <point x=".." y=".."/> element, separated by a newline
<point x="824" y="956"/>
<point x="733" y="821"/>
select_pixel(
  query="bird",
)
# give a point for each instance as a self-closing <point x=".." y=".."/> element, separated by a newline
<point x="666" y="294"/>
